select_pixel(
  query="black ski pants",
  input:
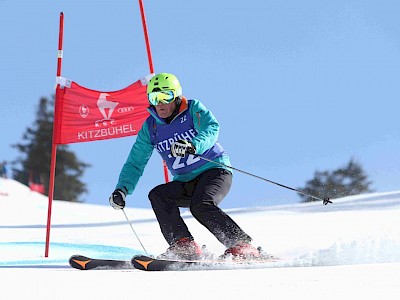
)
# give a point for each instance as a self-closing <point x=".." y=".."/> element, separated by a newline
<point x="201" y="195"/>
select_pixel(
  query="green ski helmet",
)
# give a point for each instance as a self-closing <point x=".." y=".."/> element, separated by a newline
<point x="164" y="81"/>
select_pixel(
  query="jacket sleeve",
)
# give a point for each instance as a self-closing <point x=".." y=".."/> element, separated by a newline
<point x="206" y="125"/>
<point x="136" y="162"/>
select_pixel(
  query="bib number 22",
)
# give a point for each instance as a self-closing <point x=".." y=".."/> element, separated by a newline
<point x="181" y="162"/>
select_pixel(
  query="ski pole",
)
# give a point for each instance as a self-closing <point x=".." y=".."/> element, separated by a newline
<point x="130" y="224"/>
<point x="325" y="201"/>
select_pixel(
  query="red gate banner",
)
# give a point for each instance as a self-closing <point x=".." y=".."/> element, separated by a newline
<point x="84" y="115"/>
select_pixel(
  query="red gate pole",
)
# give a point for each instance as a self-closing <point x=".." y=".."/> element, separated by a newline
<point x="146" y="36"/>
<point x="54" y="145"/>
<point x="147" y="40"/>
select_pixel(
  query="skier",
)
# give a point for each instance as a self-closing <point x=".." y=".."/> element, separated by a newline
<point x="179" y="129"/>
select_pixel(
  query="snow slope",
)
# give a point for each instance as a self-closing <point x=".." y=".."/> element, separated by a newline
<point x="345" y="250"/>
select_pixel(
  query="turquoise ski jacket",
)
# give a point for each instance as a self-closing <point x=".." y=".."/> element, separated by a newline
<point x="206" y="127"/>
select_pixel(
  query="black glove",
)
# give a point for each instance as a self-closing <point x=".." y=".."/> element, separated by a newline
<point x="117" y="199"/>
<point x="181" y="148"/>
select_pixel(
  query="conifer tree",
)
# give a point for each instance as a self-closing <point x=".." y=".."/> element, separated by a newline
<point x="36" y="157"/>
<point x="345" y="181"/>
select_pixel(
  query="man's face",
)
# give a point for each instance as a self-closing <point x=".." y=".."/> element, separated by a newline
<point x="165" y="110"/>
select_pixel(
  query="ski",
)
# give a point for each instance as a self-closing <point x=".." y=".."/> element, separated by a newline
<point x="146" y="263"/>
<point x="81" y="262"/>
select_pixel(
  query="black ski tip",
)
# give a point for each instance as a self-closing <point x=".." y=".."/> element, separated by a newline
<point x="79" y="262"/>
<point x="142" y="262"/>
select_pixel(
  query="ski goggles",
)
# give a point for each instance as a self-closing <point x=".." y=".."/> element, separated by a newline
<point x="165" y="97"/>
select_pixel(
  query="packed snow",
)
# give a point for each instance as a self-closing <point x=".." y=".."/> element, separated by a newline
<point x="347" y="249"/>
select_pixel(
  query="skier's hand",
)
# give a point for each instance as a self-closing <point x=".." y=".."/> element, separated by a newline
<point x="117" y="199"/>
<point x="181" y="148"/>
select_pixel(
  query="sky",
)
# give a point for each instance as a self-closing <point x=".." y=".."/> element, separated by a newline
<point x="297" y="87"/>
<point x="342" y="259"/>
